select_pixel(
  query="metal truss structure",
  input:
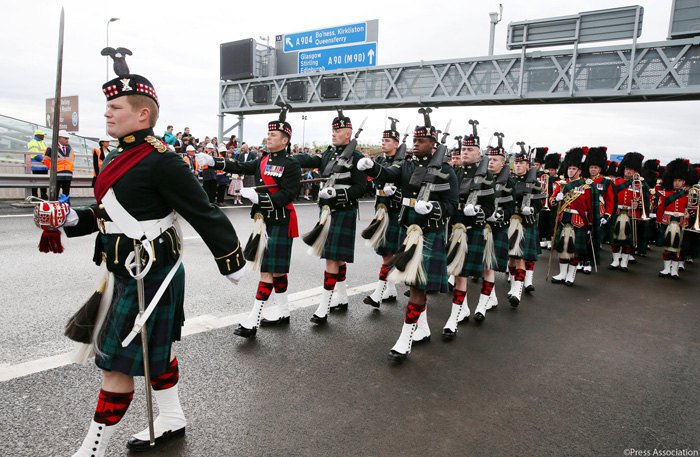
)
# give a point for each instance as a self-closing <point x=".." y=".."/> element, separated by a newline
<point x="668" y="70"/>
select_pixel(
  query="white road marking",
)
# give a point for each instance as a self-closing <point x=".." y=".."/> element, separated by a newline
<point x="193" y="326"/>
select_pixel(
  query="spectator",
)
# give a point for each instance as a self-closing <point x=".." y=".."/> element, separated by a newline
<point x="223" y="179"/>
<point x="208" y="175"/>
<point x="65" y="164"/>
<point x="36" y="148"/>
<point x="232" y="142"/>
<point x="169" y="137"/>
<point x="178" y="147"/>
<point x="191" y="160"/>
<point x="244" y="155"/>
<point x="98" y="156"/>
<point x="187" y="131"/>
<point x="234" y="189"/>
<point x="215" y="142"/>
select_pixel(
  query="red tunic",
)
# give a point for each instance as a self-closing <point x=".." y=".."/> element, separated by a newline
<point x="625" y="195"/>
<point x="672" y="206"/>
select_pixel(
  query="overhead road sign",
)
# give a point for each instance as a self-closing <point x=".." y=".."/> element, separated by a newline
<point x="592" y="26"/>
<point x="685" y="19"/>
<point x="342" y="57"/>
<point x="324" y="38"/>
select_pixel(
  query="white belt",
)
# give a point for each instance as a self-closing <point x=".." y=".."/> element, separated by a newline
<point x="341" y="186"/>
<point x="674" y="213"/>
<point x="410" y="202"/>
<point x="623" y="207"/>
<point x="571" y="211"/>
<point x="151" y="229"/>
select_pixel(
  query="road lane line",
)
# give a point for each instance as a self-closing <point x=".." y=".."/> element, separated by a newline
<point x="193" y="326"/>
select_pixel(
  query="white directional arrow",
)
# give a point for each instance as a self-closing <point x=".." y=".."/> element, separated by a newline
<point x="289" y="42"/>
<point x="370" y="54"/>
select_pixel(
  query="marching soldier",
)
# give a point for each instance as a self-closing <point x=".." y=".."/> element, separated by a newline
<point x="674" y="215"/>
<point x="140" y="190"/>
<point x="522" y="232"/>
<point x="578" y="219"/>
<point x="548" y="179"/>
<point x="650" y="174"/>
<point x="498" y="222"/>
<point x="333" y="237"/>
<point x="429" y="189"/>
<point x="466" y="248"/>
<point x="595" y="163"/>
<point x="275" y="226"/>
<point x="383" y="232"/>
<point x="632" y="200"/>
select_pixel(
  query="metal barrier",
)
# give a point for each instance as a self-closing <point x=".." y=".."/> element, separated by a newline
<point x="12" y="180"/>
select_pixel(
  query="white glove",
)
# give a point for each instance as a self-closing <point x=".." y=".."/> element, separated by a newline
<point x="497" y="216"/>
<point x="204" y="159"/>
<point x="469" y="210"/>
<point x="365" y="163"/>
<point x="72" y="219"/>
<point x="389" y="190"/>
<point x="236" y="276"/>
<point x="250" y="194"/>
<point x="527" y="211"/>
<point x="423" y="207"/>
<point x="603" y="221"/>
<point x="326" y="193"/>
<point x="559" y="197"/>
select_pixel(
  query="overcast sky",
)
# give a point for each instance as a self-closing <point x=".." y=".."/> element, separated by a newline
<point x="176" y="46"/>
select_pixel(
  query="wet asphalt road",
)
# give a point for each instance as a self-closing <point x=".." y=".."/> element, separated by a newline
<point x="608" y="365"/>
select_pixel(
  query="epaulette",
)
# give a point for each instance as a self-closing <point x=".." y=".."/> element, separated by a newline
<point x="156" y="143"/>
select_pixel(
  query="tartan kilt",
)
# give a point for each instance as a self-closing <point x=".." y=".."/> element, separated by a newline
<point x="531" y="243"/>
<point x="474" y="261"/>
<point x="545" y="222"/>
<point x="434" y="261"/>
<point x="340" y="244"/>
<point x="278" y="254"/>
<point x="500" y="248"/>
<point x="581" y="243"/>
<point x="164" y="326"/>
<point x="611" y="233"/>
<point x="392" y="245"/>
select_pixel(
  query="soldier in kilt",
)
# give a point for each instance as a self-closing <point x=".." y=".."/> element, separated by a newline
<point x="675" y="216"/>
<point x="333" y="237"/>
<point x="496" y="231"/>
<point x="383" y="232"/>
<point x="274" y="220"/>
<point x="546" y="219"/>
<point x="422" y="262"/>
<point x="138" y="190"/>
<point x="596" y="161"/>
<point x="578" y="219"/>
<point x="524" y="248"/>
<point x="466" y="247"/>
<point x="627" y="225"/>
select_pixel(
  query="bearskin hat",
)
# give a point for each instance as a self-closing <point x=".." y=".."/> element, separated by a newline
<point x="677" y="169"/>
<point x="539" y="154"/>
<point x="574" y="158"/>
<point x="631" y="160"/>
<point x="552" y="160"/>
<point x="596" y="156"/>
<point x="612" y="169"/>
<point x="650" y="171"/>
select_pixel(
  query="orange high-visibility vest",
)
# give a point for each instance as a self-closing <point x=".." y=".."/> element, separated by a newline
<point x="65" y="163"/>
<point x="97" y="152"/>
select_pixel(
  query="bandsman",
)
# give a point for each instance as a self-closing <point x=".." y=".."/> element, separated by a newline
<point x="593" y="167"/>
<point x="552" y="161"/>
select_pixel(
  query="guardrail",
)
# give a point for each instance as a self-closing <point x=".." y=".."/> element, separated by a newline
<point x="12" y="180"/>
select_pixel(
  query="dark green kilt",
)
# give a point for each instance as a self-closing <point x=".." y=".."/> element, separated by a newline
<point x="393" y="239"/>
<point x="626" y="242"/>
<point x="277" y="256"/>
<point x="434" y="261"/>
<point x="474" y="261"/>
<point x="164" y="325"/>
<point x="581" y="242"/>
<point x="545" y="221"/>
<point x="340" y="244"/>
<point x="531" y="243"/>
<point x="500" y="248"/>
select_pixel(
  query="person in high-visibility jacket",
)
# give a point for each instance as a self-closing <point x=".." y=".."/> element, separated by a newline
<point x="98" y="156"/>
<point x="65" y="164"/>
<point x="36" y="147"/>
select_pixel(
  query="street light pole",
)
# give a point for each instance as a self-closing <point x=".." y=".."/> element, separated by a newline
<point x="114" y="19"/>
<point x="303" y="131"/>
<point x="495" y="19"/>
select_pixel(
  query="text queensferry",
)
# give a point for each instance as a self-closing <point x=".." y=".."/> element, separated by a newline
<point x="336" y="36"/>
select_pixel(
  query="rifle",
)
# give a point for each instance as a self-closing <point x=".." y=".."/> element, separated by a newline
<point x="334" y="167"/>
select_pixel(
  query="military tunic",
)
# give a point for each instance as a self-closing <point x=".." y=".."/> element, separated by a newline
<point x="583" y="215"/>
<point x="150" y="190"/>
<point x="503" y="198"/>
<point x="530" y="243"/>
<point x="273" y="206"/>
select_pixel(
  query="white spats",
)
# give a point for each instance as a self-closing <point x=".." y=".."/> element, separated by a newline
<point x="563" y="269"/>
<point x="422" y="332"/>
<point x="96" y="440"/>
<point x="252" y="320"/>
<point x="324" y="306"/>
<point x="403" y="345"/>
<point x="452" y="321"/>
<point x="171" y="418"/>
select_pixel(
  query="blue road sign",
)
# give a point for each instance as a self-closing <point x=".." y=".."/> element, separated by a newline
<point x="359" y="55"/>
<point x="616" y="157"/>
<point x="333" y="36"/>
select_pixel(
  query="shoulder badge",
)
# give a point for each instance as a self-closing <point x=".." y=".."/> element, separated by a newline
<point x="156" y="143"/>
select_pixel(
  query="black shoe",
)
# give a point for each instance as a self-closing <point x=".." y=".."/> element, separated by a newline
<point x="425" y="339"/>
<point x="568" y="283"/>
<point x="339" y="307"/>
<point x="612" y="267"/>
<point x="479" y="318"/>
<point x="368" y="301"/>
<point x="514" y="301"/>
<point x="319" y="320"/>
<point x="530" y="288"/>
<point x="398" y="357"/>
<point x="267" y="323"/>
<point x="245" y="332"/>
<point x="557" y="281"/>
<point x="389" y="299"/>
<point x="625" y="269"/>
<point x="137" y="445"/>
<point x="448" y="334"/>
<point x="676" y="277"/>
